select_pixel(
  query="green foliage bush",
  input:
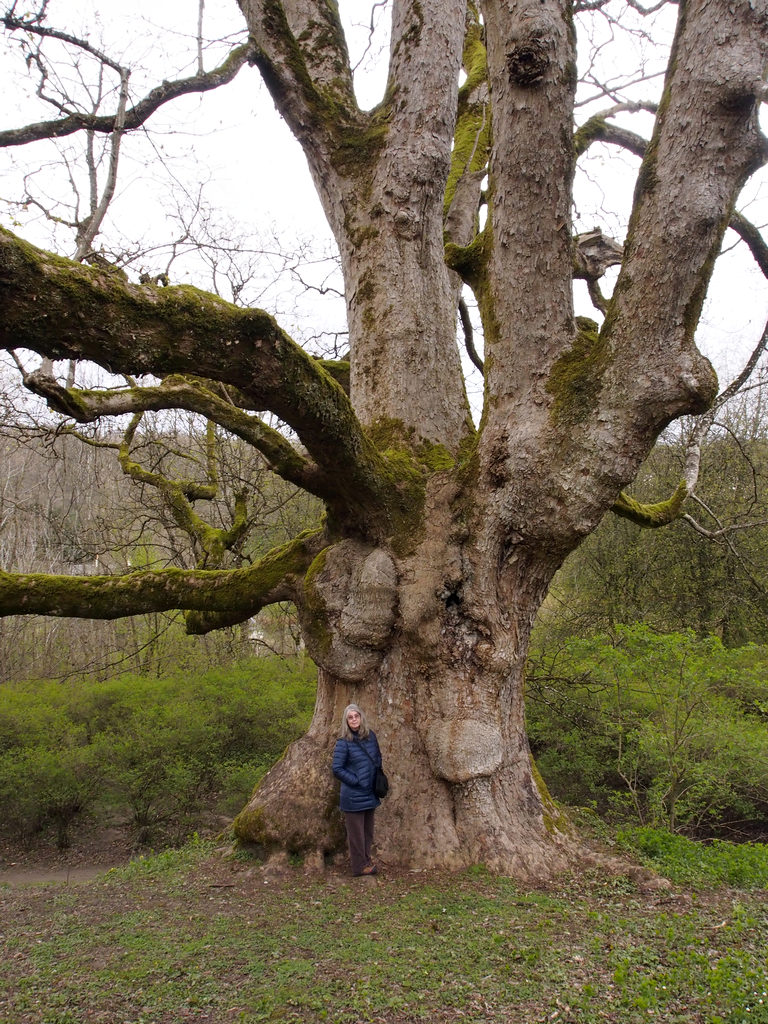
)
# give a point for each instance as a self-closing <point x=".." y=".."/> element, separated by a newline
<point x="156" y="752"/>
<point x="686" y="862"/>
<point x="666" y="729"/>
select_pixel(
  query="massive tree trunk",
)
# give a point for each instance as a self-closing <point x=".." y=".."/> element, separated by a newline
<point x="418" y="593"/>
<point x="424" y="644"/>
<point x="446" y="689"/>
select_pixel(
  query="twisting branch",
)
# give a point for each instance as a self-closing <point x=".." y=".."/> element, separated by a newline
<point x="600" y="129"/>
<point x="664" y="512"/>
<point x="35" y="25"/>
<point x="179" y="497"/>
<point x="179" y="392"/>
<point x="189" y="490"/>
<point x="142" y="329"/>
<point x="136" y="115"/>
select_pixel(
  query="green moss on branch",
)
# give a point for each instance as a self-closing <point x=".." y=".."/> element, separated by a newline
<point x="469" y="261"/>
<point x="652" y="516"/>
<point x="472" y="135"/>
<point x="576" y="378"/>
<point x="241" y="591"/>
<point x="180" y="330"/>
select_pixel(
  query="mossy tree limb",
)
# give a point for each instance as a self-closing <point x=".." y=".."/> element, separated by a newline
<point x="469" y="159"/>
<point x="600" y="128"/>
<point x="652" y="515"/>
<point x="135" y="330"/>
<point x="235" y="593"/>
<point x="183" y="392"/>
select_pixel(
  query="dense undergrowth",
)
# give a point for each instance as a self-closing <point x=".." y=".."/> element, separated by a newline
<point x="155" y="755"/>
<point x="663" y="730"/>
<point x="659" y="732"/>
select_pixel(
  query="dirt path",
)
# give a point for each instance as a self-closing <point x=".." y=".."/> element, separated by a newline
<point x="16" y="876"/>
<point x="92" y="853"/>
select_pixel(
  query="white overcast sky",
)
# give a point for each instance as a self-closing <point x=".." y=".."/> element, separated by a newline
<point x="231" y="147"/>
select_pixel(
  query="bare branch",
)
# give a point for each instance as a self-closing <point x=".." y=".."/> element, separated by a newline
<point x="137" y="115"/>
<point x="750" y="234"/>
<point x="721" y="531"/>
<point x="88" y="231"/>
<point x="469" y="344"/>
<point x="725" y="535"/>
<point x="34" y="26"/>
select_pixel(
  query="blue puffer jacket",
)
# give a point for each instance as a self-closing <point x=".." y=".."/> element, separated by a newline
<point x="355" y="770"/>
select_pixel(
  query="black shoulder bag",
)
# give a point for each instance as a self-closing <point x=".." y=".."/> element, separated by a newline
<point x="380" y="780"/>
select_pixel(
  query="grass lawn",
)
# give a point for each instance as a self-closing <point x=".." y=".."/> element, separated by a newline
<point x="188" y="936"/>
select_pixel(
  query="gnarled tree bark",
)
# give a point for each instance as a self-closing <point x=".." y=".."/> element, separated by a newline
<point x="418" y="593"/>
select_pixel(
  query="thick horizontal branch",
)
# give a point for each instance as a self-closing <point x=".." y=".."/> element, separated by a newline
<point x="65" y="310"/>
<point x="135" y="116"/>
<point x="234" y="591"/>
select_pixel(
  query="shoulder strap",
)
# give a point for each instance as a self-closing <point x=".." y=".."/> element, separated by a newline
<point x="365" y="749"/>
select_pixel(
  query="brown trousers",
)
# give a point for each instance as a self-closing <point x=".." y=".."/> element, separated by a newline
<point x="359" y="838"/>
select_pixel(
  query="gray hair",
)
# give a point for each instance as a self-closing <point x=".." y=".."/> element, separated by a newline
<point x="346" y="733"/>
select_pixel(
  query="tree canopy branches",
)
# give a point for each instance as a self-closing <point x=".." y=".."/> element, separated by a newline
<point x="135" y="115"/>
<point x="139" y="329"/>
<point x="393" y="195"/>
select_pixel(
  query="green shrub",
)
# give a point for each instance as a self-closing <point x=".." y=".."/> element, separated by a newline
<point x="668" y="729"/>
<point x="237" y="781"/>
<point x="682" y="860"/>
<point x="40" y="786"/>
<point x="157" y="752"/>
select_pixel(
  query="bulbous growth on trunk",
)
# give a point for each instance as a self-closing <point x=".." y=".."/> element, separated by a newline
<point x="443" y="687"/>
<point x="418" y="591"/>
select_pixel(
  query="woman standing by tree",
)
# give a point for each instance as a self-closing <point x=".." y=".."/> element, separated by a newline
<point x="355" y="760"/>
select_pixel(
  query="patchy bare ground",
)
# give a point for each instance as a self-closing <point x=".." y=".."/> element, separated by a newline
<point x="92" y="852"/>
<point x="198" y="937"/>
